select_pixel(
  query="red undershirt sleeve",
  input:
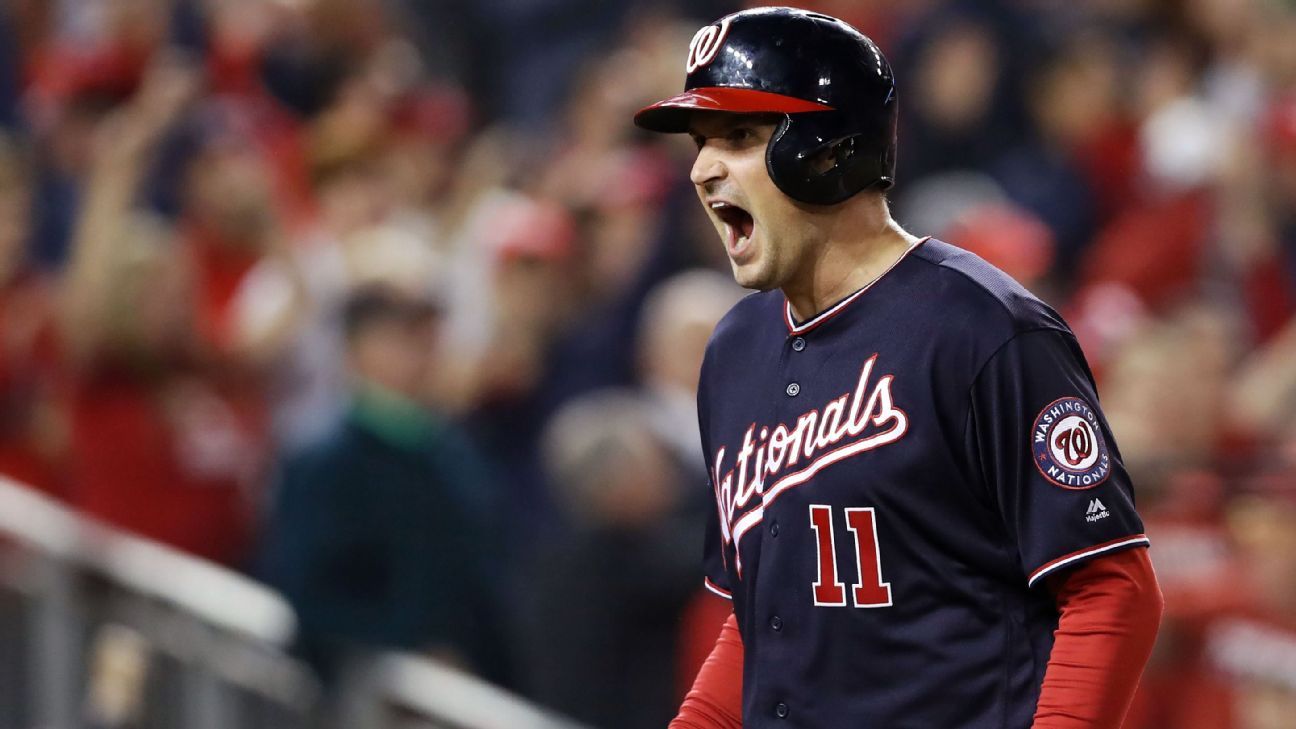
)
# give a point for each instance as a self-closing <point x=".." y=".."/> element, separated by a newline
<point x="715" y="701"/>
<point x="1110" y="610"/>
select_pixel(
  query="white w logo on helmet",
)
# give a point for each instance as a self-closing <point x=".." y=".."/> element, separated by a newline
<point x="705" y="44"/>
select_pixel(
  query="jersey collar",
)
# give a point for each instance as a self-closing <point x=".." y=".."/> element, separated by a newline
<point x="835" y="309"/>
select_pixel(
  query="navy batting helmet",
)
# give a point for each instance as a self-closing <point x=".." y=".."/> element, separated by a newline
<point x="831" y="83"/>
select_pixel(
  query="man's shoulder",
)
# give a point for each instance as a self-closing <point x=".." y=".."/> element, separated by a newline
<point x="964" y="282"/>
<point x="752" y="314"/>
<point x="741" y="333"/>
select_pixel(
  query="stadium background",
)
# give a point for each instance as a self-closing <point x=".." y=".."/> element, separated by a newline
<point x="386" y="305"/>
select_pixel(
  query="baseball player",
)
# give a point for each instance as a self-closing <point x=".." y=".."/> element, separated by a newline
<point x="923" y="519"/>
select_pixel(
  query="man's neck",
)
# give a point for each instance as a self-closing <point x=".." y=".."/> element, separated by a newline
<point x="858" y="253"/>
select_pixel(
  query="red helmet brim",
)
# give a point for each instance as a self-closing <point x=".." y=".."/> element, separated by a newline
<point x="672" y="115"/>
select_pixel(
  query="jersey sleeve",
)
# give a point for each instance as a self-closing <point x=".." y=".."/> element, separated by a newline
<point x="1043" y="449"/>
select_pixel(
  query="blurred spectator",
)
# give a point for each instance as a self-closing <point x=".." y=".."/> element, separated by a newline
<point x="1165" y="390"/>
<point x="1263" y="396"/>
<point x="1074" y="103"/>
<point x="1158" y="245"/>
<point x="1232" y="667"/>
<point x="607" y="657"/>
<point x="524" y="259"/>
<point x="625" y="252"/>
<point x="145" y="362"/>
<point x="31" y="428"/>
<point x="313" y="47"/>
<point x="951" y="120"/>
<point x="512" y="293"/>
<point x="428" y="129"/>
<point x="89" y="60"/>
<point x="380" y="532"/>
<point x="298" y="295"/>
<point x="678" y="317"/>
<point x="533" y="69"/>
<point x="677" y="320"/>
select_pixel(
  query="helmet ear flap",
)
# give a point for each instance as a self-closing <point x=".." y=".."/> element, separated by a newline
<point x="810" y="163"/>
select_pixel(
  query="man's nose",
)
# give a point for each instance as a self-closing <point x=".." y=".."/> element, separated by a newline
<point x="708" y="167"/>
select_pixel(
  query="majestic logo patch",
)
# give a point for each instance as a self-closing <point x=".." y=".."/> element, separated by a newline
<point x="1097" y="510"/>
<point x="706" y="44"/>
<point x="1068" y="445"/>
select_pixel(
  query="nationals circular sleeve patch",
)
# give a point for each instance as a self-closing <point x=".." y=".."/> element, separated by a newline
<point x="1068" y="446"/>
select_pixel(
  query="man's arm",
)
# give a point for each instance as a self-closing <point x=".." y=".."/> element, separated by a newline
<point x="715" y="701"/>
<point x="1111" y="608"/>
<point x="123" y="145"/>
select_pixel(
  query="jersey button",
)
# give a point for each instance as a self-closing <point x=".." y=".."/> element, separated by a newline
<point x="774" y="529"/>
<point x="798" y="344"/>
<point x="776" y="623"/>
<point x="793" y="389"/>
<point x="781" y="710"/>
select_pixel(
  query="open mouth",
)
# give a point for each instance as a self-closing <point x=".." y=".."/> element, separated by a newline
<point x="739" y="225"/>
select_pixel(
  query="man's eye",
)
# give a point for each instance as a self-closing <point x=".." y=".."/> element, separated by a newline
<point x="741" y="134"/>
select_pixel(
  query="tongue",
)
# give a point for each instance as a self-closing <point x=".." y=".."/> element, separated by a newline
<point x="745" y="225"/>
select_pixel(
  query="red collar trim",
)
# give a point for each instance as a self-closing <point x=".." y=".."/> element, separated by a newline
<point x="815" y="322"/>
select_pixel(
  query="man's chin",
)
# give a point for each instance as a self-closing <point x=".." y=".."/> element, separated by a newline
<point x="751" y="276"/>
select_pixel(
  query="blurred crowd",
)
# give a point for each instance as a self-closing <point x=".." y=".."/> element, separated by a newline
<point x="388" y="304"/>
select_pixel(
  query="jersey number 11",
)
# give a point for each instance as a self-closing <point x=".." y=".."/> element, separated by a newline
<point x="829" y="590"/>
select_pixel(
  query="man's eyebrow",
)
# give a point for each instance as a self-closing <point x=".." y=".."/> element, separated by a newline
<point x="718" y="130"/>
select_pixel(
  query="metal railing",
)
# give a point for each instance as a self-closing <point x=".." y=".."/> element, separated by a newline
<point x="102" y="629"/>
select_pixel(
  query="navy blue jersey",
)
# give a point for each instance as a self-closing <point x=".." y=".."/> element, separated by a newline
<point x="893" y="480"/>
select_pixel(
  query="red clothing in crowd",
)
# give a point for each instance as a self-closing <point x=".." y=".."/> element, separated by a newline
<point x="220" y="269"/>
<point x="1155" y="249"/>
<point x="1218" y="669"/>
<point x="173" y="449"/>
<point x="1216" y="645"/>
<point x="172" y="459"/>
<point x="29" y="428"/>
